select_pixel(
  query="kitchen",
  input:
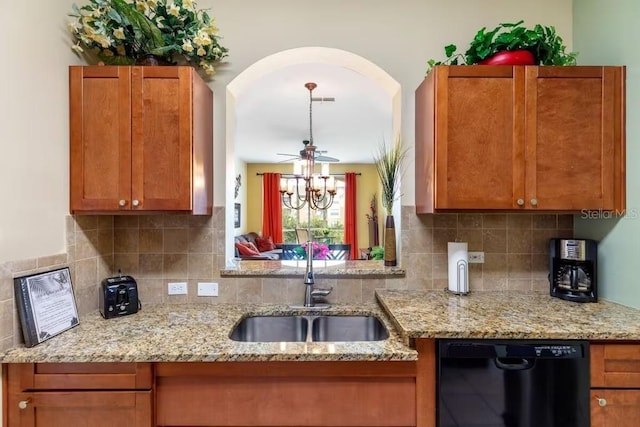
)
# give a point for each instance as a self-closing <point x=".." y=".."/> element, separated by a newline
<point x="45" y="147"/>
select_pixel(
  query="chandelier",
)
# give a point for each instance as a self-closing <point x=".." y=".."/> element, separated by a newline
<point x="314" y="190"/>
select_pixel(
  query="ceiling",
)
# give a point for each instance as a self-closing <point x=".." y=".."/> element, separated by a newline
<point x="272" y="115"/>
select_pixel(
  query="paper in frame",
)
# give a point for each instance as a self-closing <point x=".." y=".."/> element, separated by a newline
<point x="46" y="305"/>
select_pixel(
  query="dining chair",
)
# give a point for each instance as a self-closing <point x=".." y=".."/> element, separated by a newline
<point x="302" y="235"/>
<point x="339" y="251"/>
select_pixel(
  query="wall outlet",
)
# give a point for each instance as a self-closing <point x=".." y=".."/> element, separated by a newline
<point x="476" y="257"/>
<point x="177" y="288"/>
<point x="207" y="289"/>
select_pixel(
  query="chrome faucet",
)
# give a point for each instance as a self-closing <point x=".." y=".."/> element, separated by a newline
<point x="311" y="294"/>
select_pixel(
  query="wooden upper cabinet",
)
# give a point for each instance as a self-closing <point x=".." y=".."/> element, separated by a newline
<point x="520" y="138"/>
<point x="141" y="140"/>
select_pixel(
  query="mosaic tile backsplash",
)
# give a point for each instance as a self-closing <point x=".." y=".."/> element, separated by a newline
<point x="157" y="249"/>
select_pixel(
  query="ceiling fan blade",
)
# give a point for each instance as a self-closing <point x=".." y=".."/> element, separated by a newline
<point x="326" y="159"/>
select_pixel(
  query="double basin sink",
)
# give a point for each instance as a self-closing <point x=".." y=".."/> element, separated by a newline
<point x="301" y="328"/>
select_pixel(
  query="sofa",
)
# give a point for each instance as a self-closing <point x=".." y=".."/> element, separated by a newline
<point x="264" y="248"/>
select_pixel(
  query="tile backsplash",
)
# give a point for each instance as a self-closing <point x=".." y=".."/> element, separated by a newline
<point x="157" y="249"/>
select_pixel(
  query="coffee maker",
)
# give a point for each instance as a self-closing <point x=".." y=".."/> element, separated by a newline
<point x="572" y="269"/>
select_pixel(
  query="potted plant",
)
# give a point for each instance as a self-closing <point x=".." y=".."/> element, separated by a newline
<point x="121" y="32"/>
<point x="511" y="44"/>
<point x="389" y="162"/>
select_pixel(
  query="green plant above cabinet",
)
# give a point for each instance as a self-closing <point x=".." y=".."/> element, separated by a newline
<point x="542" y="44"/>
<point x="521" y="138"/>
<point x="141" y="140"/>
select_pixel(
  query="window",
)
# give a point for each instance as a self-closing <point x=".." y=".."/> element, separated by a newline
<point x="326" y="225"/>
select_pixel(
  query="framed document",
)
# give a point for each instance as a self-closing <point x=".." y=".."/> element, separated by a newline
<point x="46" y="304"/>
<point x="236" y="215"/>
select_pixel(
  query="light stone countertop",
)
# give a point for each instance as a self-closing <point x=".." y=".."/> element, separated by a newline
<point x="356" y="268"/>
<point x="508" y="315"/>
<point x="200" y="333"/>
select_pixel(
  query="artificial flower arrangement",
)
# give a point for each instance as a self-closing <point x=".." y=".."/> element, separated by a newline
<point x="121" y="32"/>
<point x="320" y="250"/>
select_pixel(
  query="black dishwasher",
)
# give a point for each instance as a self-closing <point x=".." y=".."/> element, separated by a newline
<point x="513" y="383"/>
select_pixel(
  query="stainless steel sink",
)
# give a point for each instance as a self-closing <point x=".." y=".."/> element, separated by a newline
<point x="271" y="329"/>
<point x="348" y="328"/>
<point x="296" y="328"/>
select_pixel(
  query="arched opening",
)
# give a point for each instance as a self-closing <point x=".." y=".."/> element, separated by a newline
<point x="279" y="61"/>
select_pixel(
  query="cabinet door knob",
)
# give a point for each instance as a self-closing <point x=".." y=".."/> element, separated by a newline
<point x="135" y="203"/>
<point x="601" y="401"/>
<point x="23" y="404"/>
<point x="122" y="202"/>
<point x="520" y="202"/>
<point x="534" y="202"/>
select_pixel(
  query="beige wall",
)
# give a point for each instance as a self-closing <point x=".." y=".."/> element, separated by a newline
<point x="33" y="128"/>
<point x="398" y="36"/>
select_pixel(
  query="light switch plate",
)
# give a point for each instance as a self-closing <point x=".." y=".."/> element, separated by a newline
<point x="207" y="289"/>
<point x="476" y="257"/>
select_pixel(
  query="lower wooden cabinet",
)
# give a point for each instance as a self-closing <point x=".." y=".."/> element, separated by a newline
<point x="286" y="394"/>
<point x="615" y="408"/>
<point x="82" y="408"/>
<point x="79" y="395"/>
<point x="615" y="384"/>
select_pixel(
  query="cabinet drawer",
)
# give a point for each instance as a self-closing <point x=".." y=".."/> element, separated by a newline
<point x="82" y="376"/>
<point x="615" y="365"/>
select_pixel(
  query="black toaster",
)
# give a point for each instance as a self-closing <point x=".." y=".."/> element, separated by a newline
<point x="118" y="296"/>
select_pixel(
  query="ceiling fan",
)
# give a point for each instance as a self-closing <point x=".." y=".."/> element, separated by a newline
<point x="310" y="151"/>
<point x="318" y="155"/>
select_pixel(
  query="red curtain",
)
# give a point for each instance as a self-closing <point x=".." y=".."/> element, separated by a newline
<point x="350" y="218"/>
<point x="271" y="207"/>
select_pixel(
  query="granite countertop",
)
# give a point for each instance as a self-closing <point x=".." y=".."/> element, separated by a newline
<point x="516" y="315"/>
<point x="200" y="333"/>
<point x="357" y="268"/>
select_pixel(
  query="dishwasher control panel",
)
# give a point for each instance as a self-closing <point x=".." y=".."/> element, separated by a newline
<point x="520" y="349"/>
<point x="558" y="351"/>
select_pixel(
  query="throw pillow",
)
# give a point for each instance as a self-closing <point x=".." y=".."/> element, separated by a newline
<point x="247" y="249"/>
<point x="265" y="244"/>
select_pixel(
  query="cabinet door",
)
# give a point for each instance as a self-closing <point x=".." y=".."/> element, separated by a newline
<point x="575" y="138"/>
<point x="100" y="138"/>
<point x="82" y="408"/>
<point x="620" y="408"/>
<point x="162" y="135"/>
<point x="479" y="149"/>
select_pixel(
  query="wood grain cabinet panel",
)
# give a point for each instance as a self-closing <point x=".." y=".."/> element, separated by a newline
<point x="90" y="409"/>
<point x="520" y="138"/>
<point x="79" y="394"/>
<point x="286" y="394"/>
<point x="620" y="408"/>
<point x="141" y="140"/>
<point x="615" y="384"/>
<point x="615" y="365"/>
